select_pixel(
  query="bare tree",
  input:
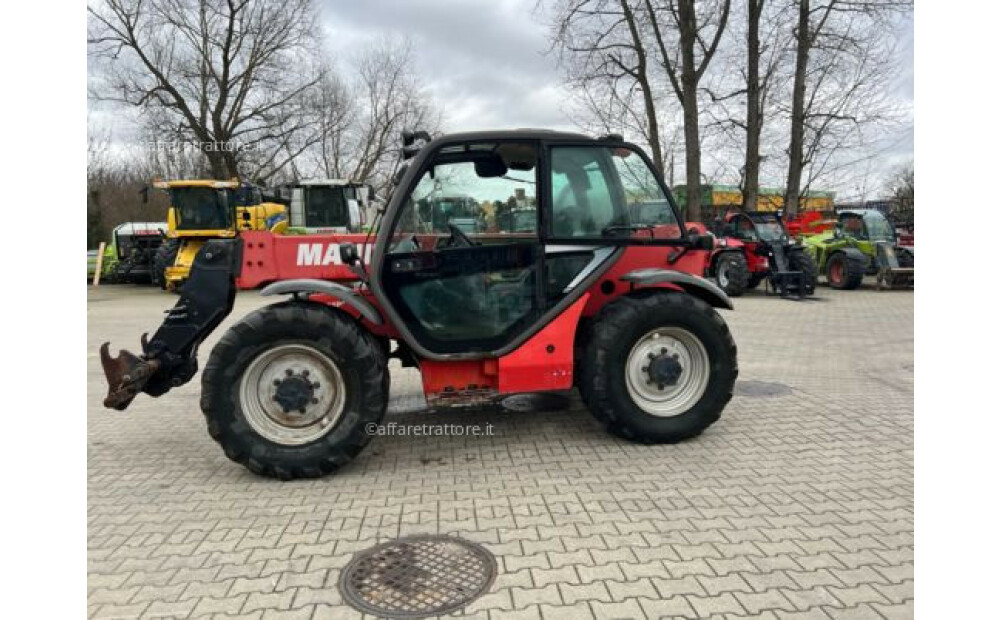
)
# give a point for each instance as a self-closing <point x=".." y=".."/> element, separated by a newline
<point x="901" y="186"/>
<point x="844" y="56"/>
<point x="685" y="58"/>
<point x="227" y="75"/>
<point x="750" y="70"/>
<point x="362" y="119"/>
<point x="603" y="45"/>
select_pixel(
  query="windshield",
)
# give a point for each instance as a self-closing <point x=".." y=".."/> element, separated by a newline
<point x="769" y="228"/>
<point x="326" y="206"/>
<point x="878" y="227"/>
<point x="200" y="208"/>
<point x="524" y="221"/>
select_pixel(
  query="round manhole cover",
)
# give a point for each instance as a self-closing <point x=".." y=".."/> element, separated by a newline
<point x="417" y="576"/>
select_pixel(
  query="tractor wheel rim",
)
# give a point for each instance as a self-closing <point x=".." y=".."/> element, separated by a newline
<point x="292" y="394"/>
<point x="723" y="274"/>
<point x="683" y="389"/>
<point x="837" y="272"/>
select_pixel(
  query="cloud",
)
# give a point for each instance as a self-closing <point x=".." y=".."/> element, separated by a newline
<point x="485" y="64"/>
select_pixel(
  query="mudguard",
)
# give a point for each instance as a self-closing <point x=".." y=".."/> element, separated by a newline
<point x="338" y="291"/>
<point x="853" y="254"/>
<point x="693" y="285"/>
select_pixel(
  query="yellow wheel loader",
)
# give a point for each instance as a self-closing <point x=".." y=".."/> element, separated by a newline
<point x="206" y="209"/>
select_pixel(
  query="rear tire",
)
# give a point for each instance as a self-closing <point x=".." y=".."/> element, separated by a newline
<point x="844" y="273"/>
<point x="349" y="396"/>
<point x="732" y="273"/>
<point x="166" y="256"/>
<point x="756" y="279"/>
<point x="905" y="257"/>
<point x="608" y="363"/>
<point x="801" y="261"/>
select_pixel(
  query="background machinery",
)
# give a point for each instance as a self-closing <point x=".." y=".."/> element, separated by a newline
<point x="128" y="258"/>
<point x="327" y="206"/>
<point x="858" y="242"/>
<point x="772" y="256"/>
<point x="205" y="209"/>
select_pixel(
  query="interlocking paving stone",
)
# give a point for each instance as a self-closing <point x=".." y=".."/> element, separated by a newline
<point x="798" y="503"/>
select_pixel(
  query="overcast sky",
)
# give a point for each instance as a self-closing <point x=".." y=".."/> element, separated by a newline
<point x="484" y="62"/>
<point x="486" y="66"/>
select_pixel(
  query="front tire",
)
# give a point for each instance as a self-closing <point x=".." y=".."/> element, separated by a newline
<point x="844" y="273"/>
<point x="693" y="367"/>
<point x="165" y="256"/>
<point x="732" y="273"/>
<point x="905" y="258"/>
<point x="801" y="261"/>
<point x="293" y="390"/>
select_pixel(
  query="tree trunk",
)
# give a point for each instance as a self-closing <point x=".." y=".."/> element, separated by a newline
<point x="692" y="158"/>
<point x="755" y="121"/>
<point x="794" y="181"/>
<point x="688" y="23"/>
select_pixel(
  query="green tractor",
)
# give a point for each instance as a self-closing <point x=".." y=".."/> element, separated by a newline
<point x="862" y="242"/>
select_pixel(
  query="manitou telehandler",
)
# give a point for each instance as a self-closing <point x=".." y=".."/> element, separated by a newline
<point x="587" y="297"/>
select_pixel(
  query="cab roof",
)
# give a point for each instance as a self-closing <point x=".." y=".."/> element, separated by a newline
<point x="232" y="184"/>
<point x="515" y="134"/>
<point x="861" y="212"/>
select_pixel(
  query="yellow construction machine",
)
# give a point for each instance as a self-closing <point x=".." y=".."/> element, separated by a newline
<point x="201" y="210"/>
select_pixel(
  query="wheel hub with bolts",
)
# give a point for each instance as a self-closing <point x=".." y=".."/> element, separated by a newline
<point x="296" y="391"/>
<point x="292" y="394"/>
<point x="667" y="371"/>
<point x="664" y="368"/>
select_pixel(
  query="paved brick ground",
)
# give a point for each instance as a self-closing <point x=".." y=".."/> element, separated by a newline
<point x="797" y="504"/>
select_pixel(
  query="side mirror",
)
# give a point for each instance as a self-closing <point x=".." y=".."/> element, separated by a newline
<point x="349" y="253"/>
<point x="701" y="242"/>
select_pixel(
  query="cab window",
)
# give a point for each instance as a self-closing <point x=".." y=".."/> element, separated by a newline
<point x="601" y="192"/>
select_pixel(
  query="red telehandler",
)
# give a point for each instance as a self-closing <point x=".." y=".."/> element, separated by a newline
<point x="587" y="298"/>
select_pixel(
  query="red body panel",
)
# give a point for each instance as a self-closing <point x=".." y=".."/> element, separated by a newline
<point x="543" y="363"/>
<point x="268" y="257"/>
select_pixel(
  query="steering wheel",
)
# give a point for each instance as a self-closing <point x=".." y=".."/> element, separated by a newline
<point x="458" y="238"/>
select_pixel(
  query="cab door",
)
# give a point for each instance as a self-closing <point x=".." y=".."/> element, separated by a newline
<point x="459" y="277"/>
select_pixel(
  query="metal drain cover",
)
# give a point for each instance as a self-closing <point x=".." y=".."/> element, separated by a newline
<point x="417" y="577"/>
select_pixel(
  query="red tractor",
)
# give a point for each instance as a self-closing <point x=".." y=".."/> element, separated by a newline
<point x="725" y="264"/>
<point x="771" y="254"/>
<point x="585" y="297"/>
